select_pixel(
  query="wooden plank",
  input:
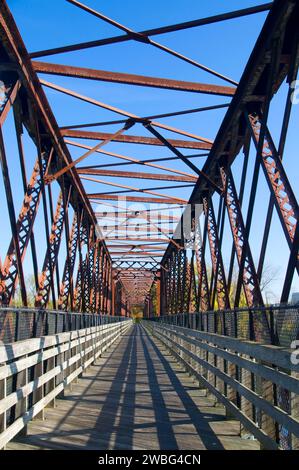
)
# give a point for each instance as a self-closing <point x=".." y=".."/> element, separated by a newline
<point x="2" y="415"/>
<point x="276" y="355"/>
<point x="28" y="346"/>
<point x="38" y="393"/>
<point x="25" y="363"/>
<point x="250" y="425"/>
<point x="135" y="396"/>
<point x="98" y="339"/>
<point x="271" y="410"/>
<point x="273" y="375"/>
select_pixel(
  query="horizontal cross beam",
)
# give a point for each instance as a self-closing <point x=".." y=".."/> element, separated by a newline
<point x="127" y="228"/>
<point x="149" y="118"/>
<point x="130" y="79"/>
<point x="129" y="160"/>
<point x="124" y="215"/>
<point x="136" y="174"/>
<point x="133" y="139"/>
<point x="133" y="253"/>
<point x="148" y="200"/>
<point x="136" y="239"/>
<point x="155" y="31"/>
<point x="150" y="246"/>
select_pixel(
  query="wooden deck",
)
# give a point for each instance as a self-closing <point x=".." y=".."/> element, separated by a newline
<point x="135" y="397"/>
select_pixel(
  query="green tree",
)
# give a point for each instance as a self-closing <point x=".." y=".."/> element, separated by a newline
<point x="30" y="290"/>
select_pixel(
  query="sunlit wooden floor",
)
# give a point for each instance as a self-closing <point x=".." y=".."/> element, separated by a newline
<point x="135" y="397"/>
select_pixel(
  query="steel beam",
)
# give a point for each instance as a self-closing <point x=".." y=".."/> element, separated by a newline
<point x="136" y="175"/>
<point x="66" y="289"/>
<point x="132" y="139"/>
<point x="250" y="280"/>
<point x="216" y="256"/>
<point x="148" y="200"/>
<point x="130" y="79"/>
<point x="50" y="262"/>
<point x="155" y="31"/>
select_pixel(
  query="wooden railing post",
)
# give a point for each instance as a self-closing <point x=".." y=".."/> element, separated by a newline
<point x="231" y="394"/>
<point x="50" y="386"/>
<point x="2" y="415"/>
<point x="22" y="405"/>
<point x="294" y="405"/>
<point x="210" y="359"/>
<point x="260" y="368"/>
<point x="245" y="378"/>
<point x="266" y="390"/>
<point x="59" y="358"/>
<point x="38" y="394"/>
<point x="56" y="361"/>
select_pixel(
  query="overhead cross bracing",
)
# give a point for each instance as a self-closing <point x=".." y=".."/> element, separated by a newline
<point x="120" y="128"/>
<point x="207" y="107"/>
<point x="149" y="230"/>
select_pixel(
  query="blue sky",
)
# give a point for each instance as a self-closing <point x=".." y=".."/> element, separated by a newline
<point x="224" y="47"/>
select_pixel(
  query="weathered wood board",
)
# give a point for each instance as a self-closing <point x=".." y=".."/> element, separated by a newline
<point x="135" y="397"/>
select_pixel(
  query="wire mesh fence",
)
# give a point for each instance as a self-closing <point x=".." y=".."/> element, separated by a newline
<point x="281" y="327"/>
<point x="282" y="324"/>
<point x="21" y="324"/>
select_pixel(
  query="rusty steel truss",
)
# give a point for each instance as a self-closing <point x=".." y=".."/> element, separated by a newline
<point x="99" y="255"/>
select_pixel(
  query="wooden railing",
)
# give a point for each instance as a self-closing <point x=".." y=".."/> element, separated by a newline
<point x="35" y="371"/>
<point x="248" y="378"/>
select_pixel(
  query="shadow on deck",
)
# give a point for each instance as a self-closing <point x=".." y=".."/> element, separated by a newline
<point x="135" y="397"/>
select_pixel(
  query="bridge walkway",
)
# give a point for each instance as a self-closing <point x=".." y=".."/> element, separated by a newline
<point x="136" y="396"/>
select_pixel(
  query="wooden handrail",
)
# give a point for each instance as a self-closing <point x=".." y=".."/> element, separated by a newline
<point x="66" y="356"/>
<point x="229" y="368"/>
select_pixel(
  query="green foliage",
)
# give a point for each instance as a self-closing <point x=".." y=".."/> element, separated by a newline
<point x="268" y="277"/>
<point x="31" y="292"/>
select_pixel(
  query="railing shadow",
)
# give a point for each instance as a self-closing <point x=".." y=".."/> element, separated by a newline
<point x="142" y="370"/>
<point x="199" y="420"/>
